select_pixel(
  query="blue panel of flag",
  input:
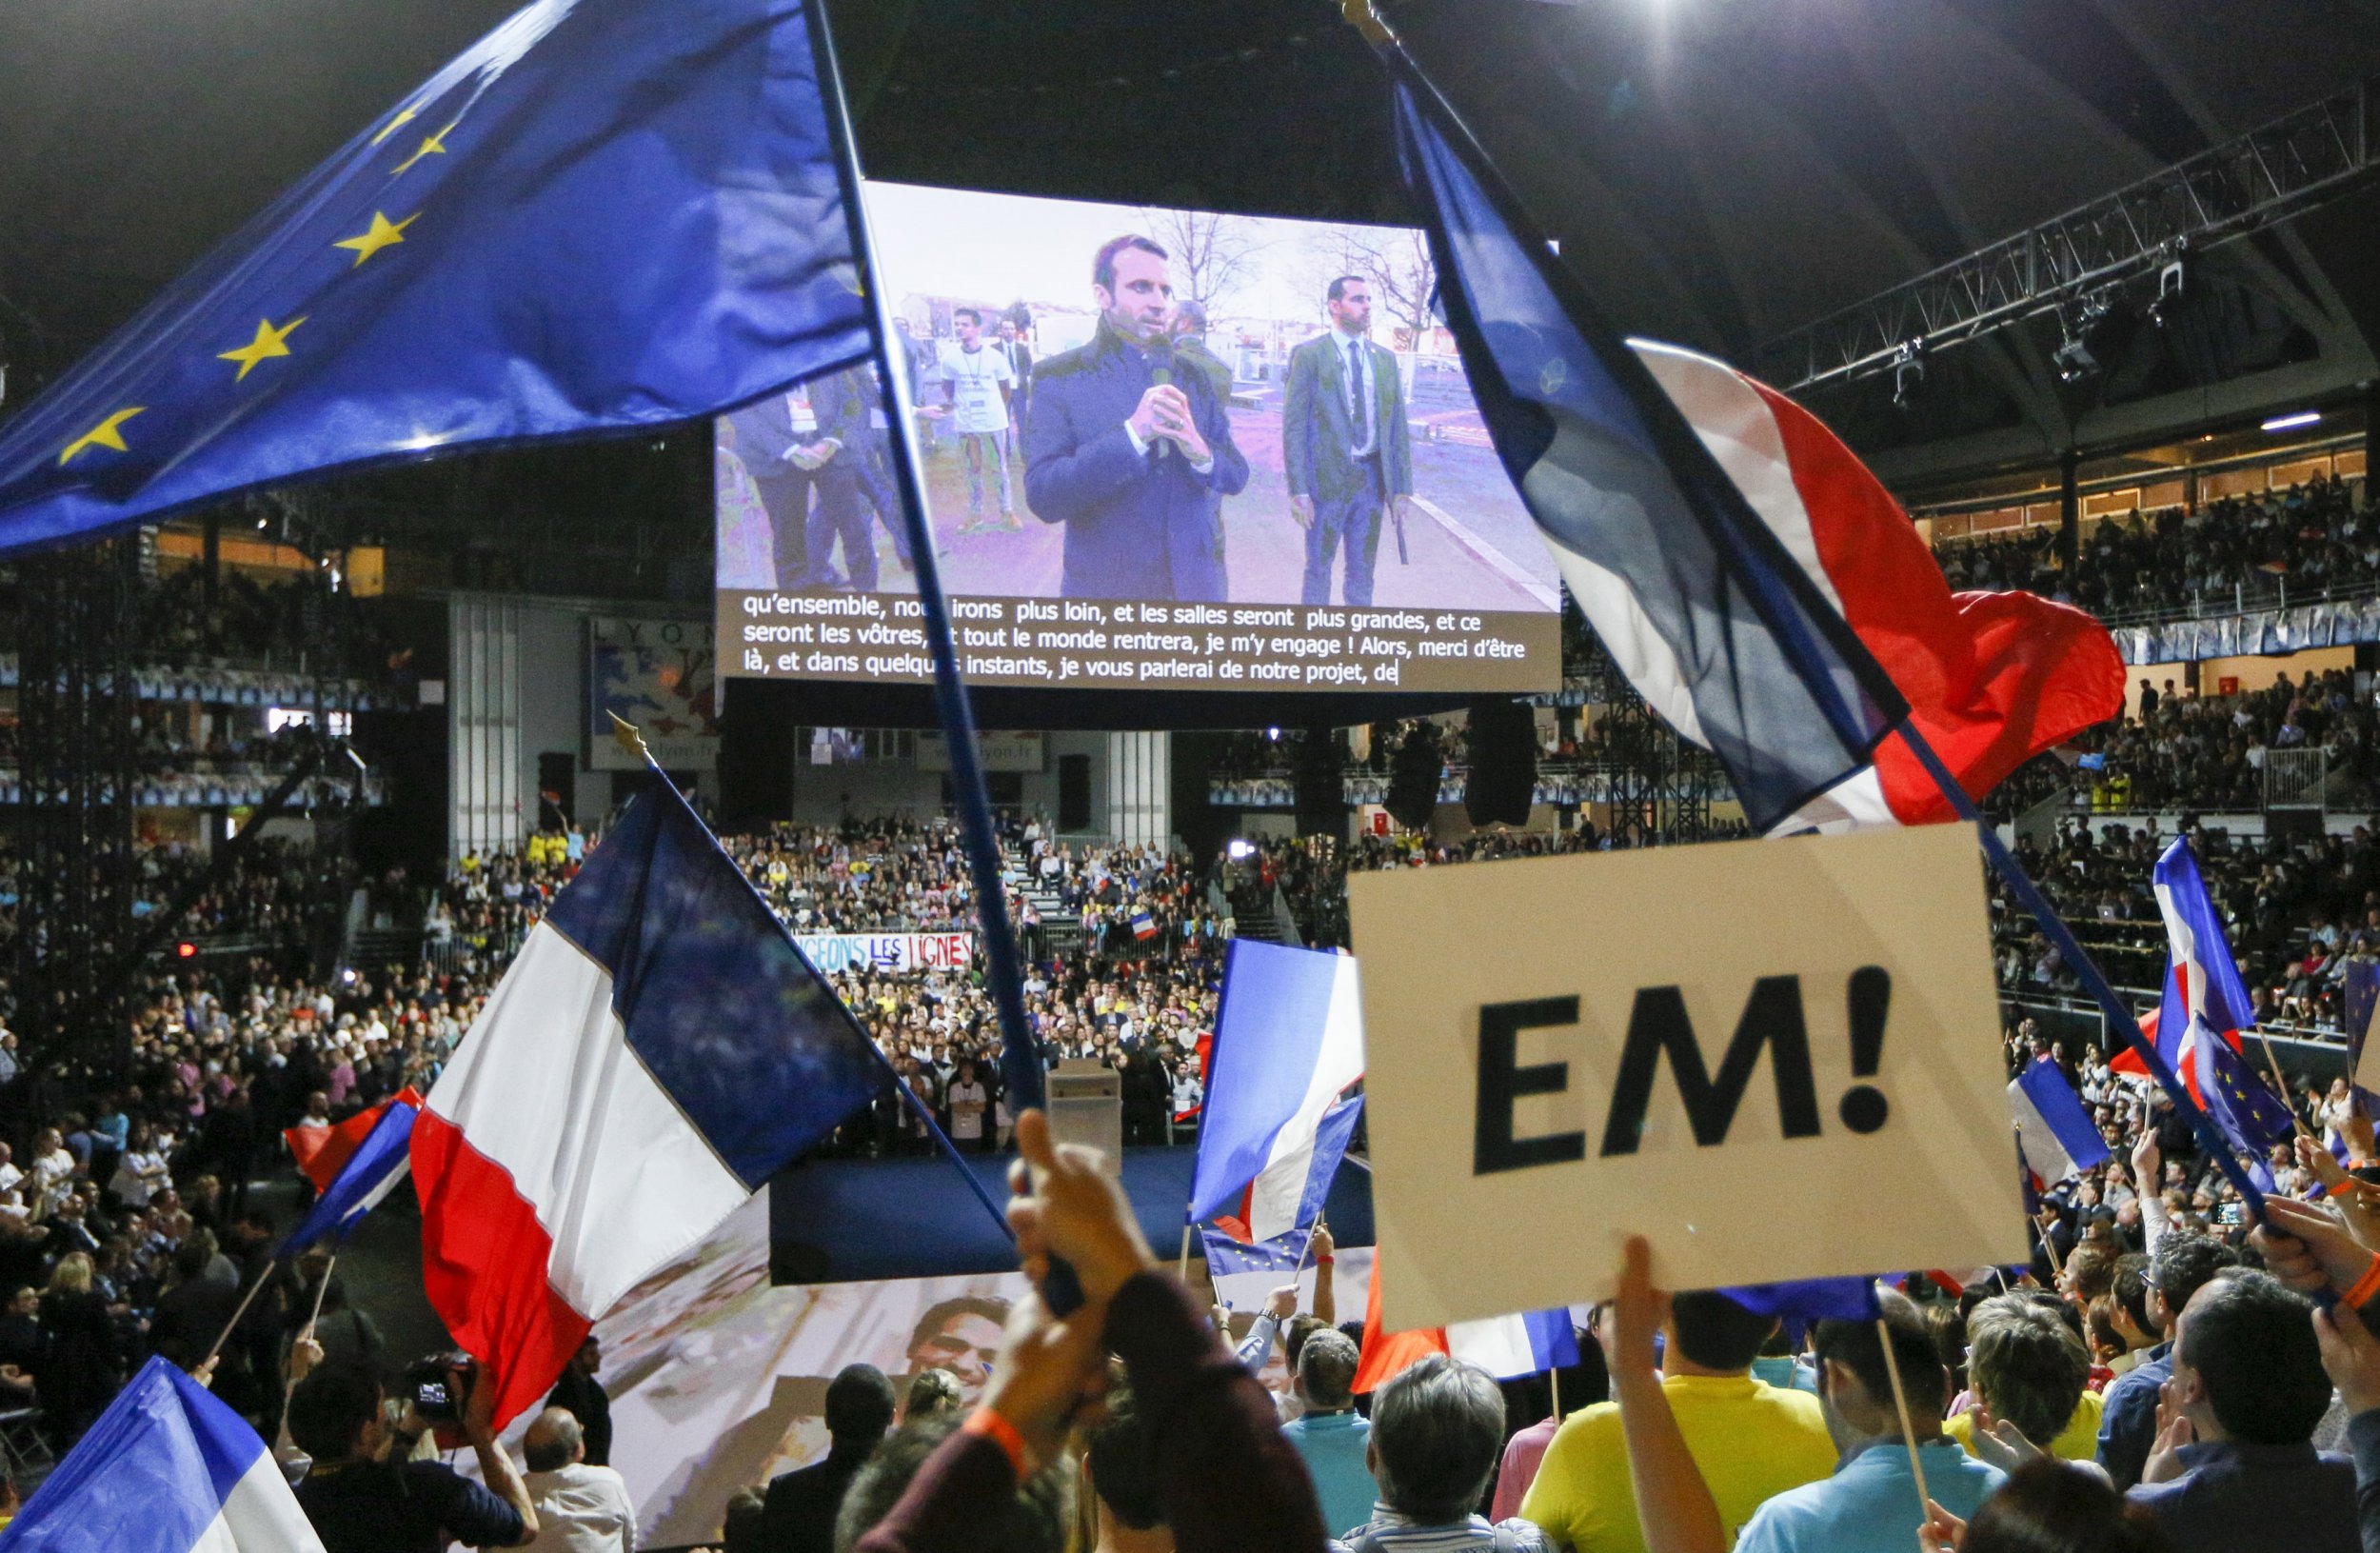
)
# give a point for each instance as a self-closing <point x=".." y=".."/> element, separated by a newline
<point x="699" y="964"/>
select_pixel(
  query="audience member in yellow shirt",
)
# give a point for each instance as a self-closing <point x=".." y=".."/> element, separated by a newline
<point x="1751" y="1440"/>
<point x="2028" y="1367"/>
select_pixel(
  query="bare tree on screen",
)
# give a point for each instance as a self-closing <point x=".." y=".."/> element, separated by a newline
<point x="1212" y="255"/>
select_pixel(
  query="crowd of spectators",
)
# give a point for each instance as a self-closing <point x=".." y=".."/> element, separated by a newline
<point x="130" y="1225"/>
<point x="2311" y="540"/>
<point x="2298" y="913"/>
<point x="2162" y="1378"/>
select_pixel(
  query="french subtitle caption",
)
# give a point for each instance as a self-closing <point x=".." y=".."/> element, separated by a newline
<point x="1074" y="642"/>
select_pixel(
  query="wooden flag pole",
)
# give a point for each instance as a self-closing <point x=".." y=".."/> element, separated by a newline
<point x="2281" y="1084"/>
<point x="225" y="1336"/>
<point x="1555" y="1375"/>
<point x="1900" y="1404"/>
<point x="1183" y="1271"/>
<point x="308" y="1330"/>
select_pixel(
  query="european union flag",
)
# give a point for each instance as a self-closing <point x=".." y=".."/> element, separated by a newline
<point x="2251" y="1117"/>
<point x="608" y="214"/>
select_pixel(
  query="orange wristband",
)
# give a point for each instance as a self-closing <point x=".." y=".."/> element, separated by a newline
<point x="1002" y="1433"/>
<point x="2366" y="1286"/>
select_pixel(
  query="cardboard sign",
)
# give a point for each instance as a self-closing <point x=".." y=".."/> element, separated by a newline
<point x="1772" y="1059"/>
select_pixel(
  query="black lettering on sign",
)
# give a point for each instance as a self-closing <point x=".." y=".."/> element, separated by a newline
<point x="1658" y="1025"/>
<point x="1502" y="1082"/>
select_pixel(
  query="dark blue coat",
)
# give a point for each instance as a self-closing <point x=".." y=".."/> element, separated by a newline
<point x="1138" y="527"/>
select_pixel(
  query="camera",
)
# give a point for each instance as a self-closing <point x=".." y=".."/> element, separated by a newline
<point x="436" y="1385"/>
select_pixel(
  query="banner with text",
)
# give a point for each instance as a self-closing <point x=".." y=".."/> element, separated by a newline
<point x="836" y="952"/>
<point x="1780" y="1060"/>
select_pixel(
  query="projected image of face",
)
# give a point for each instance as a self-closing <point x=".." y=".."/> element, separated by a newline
<point x="960" y="1336"/>
<point x="1159" y="449"/>
<point x="1138" y="299"/>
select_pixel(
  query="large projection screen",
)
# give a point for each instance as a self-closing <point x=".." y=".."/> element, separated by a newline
<point x="1194" y="469"/>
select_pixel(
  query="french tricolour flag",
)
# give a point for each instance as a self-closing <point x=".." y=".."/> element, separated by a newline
<point x="2204" y="997"/>
<point x="321" y="1154"/>
<point x="2052" y="1127"/>
<point x="370" y="1175"/>
<point x="166" y="1470"/>
<point x="658" y="1050"/>
<point x="1288" y="1039"/>
<point x="1527" y="1342"/>
<point x="1755" y="584"/>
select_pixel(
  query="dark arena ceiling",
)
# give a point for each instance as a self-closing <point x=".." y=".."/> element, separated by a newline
<point x="1720" y="171"/>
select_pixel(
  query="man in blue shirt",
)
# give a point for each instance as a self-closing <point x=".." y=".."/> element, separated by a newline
<point x="2235" y="1469"/>
<point x="1330" y="1437"/>
<point x="1872" y="1503"/>
<point x="2181" y="1264"/>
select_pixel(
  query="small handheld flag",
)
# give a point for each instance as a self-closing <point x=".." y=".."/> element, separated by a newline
<point x="321" y="1154"/>
<point x="1526" y="1342"/>
<point x="168" y="1468"/>
<point x="1289" y="1038"/>
<point x="370" y="1175"/>
<point x="2054" y="1131"/>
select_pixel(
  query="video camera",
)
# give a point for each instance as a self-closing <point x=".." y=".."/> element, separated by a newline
<point x="436" y="1384"/>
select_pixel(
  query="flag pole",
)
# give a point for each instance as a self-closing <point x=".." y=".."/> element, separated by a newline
<point x="254" y="1289"/>
<point x="2281" y="1083"/>
<point x="1555" y="1375"/>
<point x="1900" y="1404"/>
<point x="1020" y="1058"/>
<point x="315" y="1315"/>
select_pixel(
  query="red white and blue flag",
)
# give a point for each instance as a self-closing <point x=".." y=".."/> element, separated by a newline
<point x="2055" y="1133"/>
<point x="1755" y="584"/>
<point x="321" y="1154"/>
<point x="370" y="1173"/>
<point x="658" y="1050"/>
<point x="2204" y="997"/>
<point x="1525" y="1343"/>
<point x="1289" y="1039"/>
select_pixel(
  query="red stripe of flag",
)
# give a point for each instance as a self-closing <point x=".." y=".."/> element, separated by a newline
<point x="485" y="1253"/>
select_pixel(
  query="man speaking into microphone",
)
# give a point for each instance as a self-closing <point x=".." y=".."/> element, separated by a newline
<point x="1131" y="453"/>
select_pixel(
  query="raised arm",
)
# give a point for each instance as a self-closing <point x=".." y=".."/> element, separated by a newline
<point x="1673" y="1504"/>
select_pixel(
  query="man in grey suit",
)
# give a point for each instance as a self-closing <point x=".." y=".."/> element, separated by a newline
<point x="1344" y="445"/>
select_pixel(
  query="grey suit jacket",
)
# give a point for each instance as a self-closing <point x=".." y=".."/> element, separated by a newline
<point x="1317" y="434"/>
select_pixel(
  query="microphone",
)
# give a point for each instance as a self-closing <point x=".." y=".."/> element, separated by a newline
<point x="1160" y="375"/>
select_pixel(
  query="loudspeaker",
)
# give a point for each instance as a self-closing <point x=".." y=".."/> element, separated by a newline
<point x="1074" y="793"/>
<point x="1413" y="780"/>
<point x="1321" y="794"/>
<point x="1503" y="761"/>
<point x="756" y="721"/>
